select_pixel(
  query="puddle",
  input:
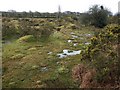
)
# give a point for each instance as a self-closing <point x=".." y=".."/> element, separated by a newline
<point x="68" y="53"/>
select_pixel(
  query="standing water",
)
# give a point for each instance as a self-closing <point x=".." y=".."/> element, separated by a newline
<point x="68" y="53"/>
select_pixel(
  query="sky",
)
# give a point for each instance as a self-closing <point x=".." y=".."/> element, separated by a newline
<point x="52" y="5"/>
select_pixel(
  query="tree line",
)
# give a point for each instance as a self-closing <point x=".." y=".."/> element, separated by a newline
<point x="30" y="14"/>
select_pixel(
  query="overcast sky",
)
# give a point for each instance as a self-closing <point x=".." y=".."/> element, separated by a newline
<point x="52" y="5"/>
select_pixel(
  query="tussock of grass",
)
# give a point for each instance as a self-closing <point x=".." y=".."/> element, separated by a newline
<point x="27" y="38"/>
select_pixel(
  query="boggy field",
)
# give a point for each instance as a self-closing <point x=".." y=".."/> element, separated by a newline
<point x="43" y="53"/>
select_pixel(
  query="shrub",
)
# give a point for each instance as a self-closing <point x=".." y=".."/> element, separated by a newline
<point x="84" y="76"/>
<point x="102" y="55"/>
<point x="8" y="29"/>
<point x="47" y="30"/>
<point x="26" y="27"/>
<point x="97" y="16"/>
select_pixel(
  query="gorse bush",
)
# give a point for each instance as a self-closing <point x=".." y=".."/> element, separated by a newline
<point x="47" y="30"/>
<point x="102" y="55"/>
<point x="8" y="29"/>
<point x="25" y="27"/>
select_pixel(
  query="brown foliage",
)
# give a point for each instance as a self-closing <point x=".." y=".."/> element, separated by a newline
<point x="84" y="76"/>
<point x="78" y="71"/>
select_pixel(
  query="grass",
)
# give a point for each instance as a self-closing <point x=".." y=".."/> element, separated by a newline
<point x="23" y="61"/>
